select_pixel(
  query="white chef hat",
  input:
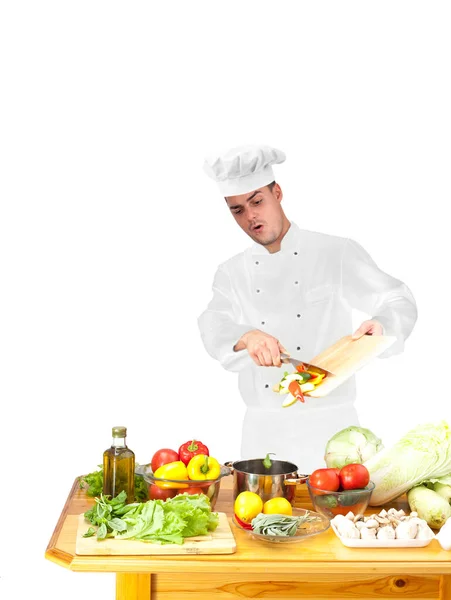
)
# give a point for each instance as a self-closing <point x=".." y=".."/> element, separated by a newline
<point x="243" y="169"/>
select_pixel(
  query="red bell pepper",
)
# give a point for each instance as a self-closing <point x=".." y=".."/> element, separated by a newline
<point x="190" y="449"/>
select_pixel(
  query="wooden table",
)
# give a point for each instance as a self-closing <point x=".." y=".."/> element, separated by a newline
<point x="320" y="567"/>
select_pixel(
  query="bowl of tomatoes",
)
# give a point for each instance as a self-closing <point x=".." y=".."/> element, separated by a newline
<point x="340" y="491"/>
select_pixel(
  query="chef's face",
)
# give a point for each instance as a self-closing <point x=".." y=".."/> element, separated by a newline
<point x="259" y="214"/>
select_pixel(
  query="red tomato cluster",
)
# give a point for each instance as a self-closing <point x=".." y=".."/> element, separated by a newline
<point x="349" y="477"/>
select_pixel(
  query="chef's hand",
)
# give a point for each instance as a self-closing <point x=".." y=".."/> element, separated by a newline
<point x="264" y="349"/>
<point x="371" y="327"/>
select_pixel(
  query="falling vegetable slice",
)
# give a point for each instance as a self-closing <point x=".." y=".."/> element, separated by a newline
<point x="295" y="389"/>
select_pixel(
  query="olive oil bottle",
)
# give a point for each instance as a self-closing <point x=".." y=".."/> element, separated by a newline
<point x="119" y="467"/>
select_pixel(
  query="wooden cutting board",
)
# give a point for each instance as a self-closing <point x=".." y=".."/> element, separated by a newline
<point x="347" y="356"/>
<point x="220" y="541"/>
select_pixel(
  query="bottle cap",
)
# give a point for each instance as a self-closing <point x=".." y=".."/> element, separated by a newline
<point x="119" y="432"/>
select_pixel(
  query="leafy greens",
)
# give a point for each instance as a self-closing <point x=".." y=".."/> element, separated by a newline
<point x="422" y="454"/>
<point x="155" y="521"/>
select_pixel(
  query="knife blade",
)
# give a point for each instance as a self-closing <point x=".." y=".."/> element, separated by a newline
<point x="287" y="359"/>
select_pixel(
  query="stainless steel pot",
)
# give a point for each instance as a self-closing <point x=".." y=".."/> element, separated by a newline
<point x="279" y="480"/>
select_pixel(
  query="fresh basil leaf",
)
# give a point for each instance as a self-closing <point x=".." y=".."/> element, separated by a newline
<point x="117" y="524"/>
<point x="91" y="531"/>
<point x="102" y="532"/>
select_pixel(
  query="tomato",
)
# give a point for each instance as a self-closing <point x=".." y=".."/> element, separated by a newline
<point x="192" y="490"/>
<point x="354" y="476"/>
<point x="325" y="479"/>
<point x="163" y="457"/>
<point x="158" y="493"/>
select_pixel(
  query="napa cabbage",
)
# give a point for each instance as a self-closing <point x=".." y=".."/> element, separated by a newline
<point x="422" y="454"/>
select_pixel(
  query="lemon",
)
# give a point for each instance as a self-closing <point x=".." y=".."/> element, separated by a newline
<point x="247" y="506"/>
<point x="277" y="506"/>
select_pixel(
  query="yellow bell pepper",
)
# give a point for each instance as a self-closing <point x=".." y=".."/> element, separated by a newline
<point x="202" y="467"/>
<point x="174" y="470"/>
<point x="315" y="377"/>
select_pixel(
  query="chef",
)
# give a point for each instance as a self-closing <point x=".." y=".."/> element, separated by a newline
<point x="292" y="290"/>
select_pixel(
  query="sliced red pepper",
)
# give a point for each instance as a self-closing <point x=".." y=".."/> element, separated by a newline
<point x="242" y="523"/>
<point x="295" y="389"/>
<point x="300" y="368"/>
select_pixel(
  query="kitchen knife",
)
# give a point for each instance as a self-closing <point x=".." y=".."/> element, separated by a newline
<point x="287" y="359"/>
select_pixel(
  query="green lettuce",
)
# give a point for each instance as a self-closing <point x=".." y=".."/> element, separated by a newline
<point x="172" y="520"/>
<point x="422" y="454"/>
<point x="156" y="521"/>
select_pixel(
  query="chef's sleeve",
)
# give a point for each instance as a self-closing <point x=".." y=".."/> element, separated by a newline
<point x="371" y="290"/>
<point x="219" y="328"/>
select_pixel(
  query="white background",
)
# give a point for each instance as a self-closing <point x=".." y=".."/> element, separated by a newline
<point x="110" y="233"/>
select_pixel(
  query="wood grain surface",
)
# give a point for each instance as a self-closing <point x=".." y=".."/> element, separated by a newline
<point x="346" y="357"/>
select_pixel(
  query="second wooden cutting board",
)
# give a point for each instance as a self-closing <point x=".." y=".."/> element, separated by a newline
<point x="347" y="356"/>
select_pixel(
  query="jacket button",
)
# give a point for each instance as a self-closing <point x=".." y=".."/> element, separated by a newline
<point x="266" y="385"/>
<point x="295" y="253"/>
<point x="298" y="348"/>
<point x="263" y="322"/>
<point x="296" y="282"/>
<point x="256" y="262"/>
<point x="298" y="316"/>
<point x="258" y="291"/>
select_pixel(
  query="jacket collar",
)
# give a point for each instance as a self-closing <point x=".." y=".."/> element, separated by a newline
<point x="290" y="242"/>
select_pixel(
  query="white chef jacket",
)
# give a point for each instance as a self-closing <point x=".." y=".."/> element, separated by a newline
<point x="303" y="295"/>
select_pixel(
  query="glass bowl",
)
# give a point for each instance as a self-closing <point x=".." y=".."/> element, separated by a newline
<point x="331" y="504"/>
<point x="307" y="529"/>
<point x="209" y="487"/>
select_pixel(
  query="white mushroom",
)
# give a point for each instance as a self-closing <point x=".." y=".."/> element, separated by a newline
<point x="424" y="532"/>
<point x="386" y="533"/>
<point x="383" y="513"/>
<point x="371" y="523"/>
<point x="361" y="525"/>
<point x="350" y="515"/>
<point x="382" y="520"/>
<point x="347" y="529"/>
<point x="407" y="530"/>
<point x="367" y="534"/>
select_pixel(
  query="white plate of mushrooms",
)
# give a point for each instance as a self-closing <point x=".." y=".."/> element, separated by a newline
<point x="388" y="529"/>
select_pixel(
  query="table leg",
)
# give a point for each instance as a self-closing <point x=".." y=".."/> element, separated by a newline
<point x="445" y="587"/>
<point x="133" y="586"/>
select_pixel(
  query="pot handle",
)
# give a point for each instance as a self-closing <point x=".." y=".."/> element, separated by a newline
<point x="228" y="464"/>
<point x="301" y="478"/>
